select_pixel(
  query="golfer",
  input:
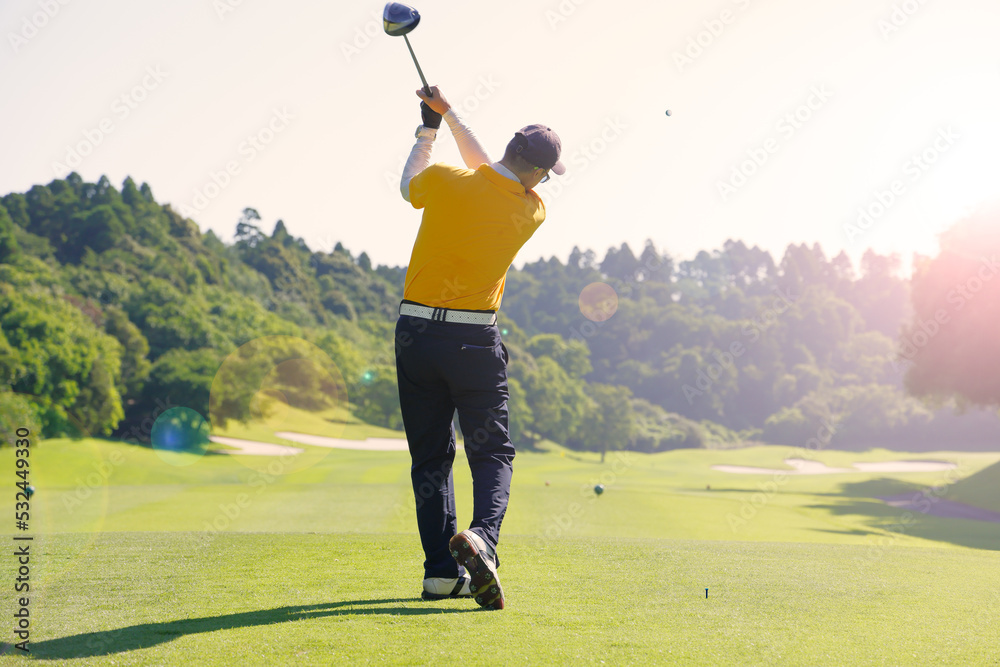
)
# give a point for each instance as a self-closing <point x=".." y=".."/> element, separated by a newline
<point x="448" y="350"/>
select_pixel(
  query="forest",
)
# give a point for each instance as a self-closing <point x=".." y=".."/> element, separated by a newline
<point x="114" y="307"/>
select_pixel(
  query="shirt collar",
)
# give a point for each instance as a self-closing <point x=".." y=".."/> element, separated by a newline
<point x="504" y="171"/>
<point x="495" y="174"/>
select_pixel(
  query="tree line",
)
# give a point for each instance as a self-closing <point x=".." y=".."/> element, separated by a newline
<point x="114" y="307"/>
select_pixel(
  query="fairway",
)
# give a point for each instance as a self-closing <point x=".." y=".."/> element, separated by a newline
<point x="266" y="598"/>
<point x="315" y="558"/>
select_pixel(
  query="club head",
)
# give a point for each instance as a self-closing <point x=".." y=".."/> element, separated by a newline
<point x="399" y="19"/>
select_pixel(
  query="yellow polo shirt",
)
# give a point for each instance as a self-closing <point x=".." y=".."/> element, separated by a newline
<point x="474" y="223"/>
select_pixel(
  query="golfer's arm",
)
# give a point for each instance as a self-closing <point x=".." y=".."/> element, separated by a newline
<point x="472" y="151"/>
<point x="420" y="157"/>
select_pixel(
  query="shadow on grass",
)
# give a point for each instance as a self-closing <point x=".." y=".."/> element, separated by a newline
<point x="860" y="533"/>
<point x="861" y="499"/>
<point x="146" y="635"/>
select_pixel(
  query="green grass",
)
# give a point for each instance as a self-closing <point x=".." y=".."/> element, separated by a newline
<point x="333" y="423"/>
<point x="979" y="489"/>
<point x="266" y="598"/>
<point x="317" y="561"/>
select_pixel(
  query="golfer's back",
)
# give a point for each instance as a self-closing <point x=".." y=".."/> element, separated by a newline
<point x="473" y="225"/>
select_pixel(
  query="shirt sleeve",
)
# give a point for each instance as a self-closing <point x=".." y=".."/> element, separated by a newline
<point x="421" y="185"/>
<point x="472" y="151"/>
<point x="420" y="157"/>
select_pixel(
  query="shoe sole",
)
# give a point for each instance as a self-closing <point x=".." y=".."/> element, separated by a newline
<point x="455" y="593"/>
<point x="437" y="596"/>
<point x="486" y="589"/>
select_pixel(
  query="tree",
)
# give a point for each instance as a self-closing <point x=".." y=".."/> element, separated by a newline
<point x="621" y="263"/>
<point x="653" y="266"/>
<point x="179" y="378"/>
<point x="573" y="356"/>
<point x="17" y="412"/>
<point x="17" y="207"/>
<point x="286" y="368"/>
<point x="880" y="296"/>
<point x="750" y="269"/>
<point x="376" y="399"/>
<point x="608" y="422"/>
<point x="281" y="235"/>
<point x="8" y="242"/>
<point x="248" y="233"/>
<point x="706" y="272"/>
<point x="557" y="401"/>
<point x="135" y="364"/>
<point x="99" y="229"/>
<point x="726" y="340"/>
<point x="951" y="339"/>
<point x="521" y="418"/>
<point x="98" y="406"/>
<point x="55" y="353"/>
<point x="170" y="320"/>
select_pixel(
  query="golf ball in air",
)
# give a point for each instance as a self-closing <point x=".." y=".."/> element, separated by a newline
<point x="668" y="112"/>
<point x="599" y="489"/>
<point x="31" y="490"/>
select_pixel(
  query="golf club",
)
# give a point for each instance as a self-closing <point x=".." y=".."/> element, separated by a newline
<point x="399" y="19"/>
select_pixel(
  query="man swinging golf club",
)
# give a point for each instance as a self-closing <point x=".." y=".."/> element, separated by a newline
<point x="448" y="350"/>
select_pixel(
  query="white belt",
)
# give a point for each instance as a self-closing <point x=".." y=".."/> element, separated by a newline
<point x="447" y="314"/>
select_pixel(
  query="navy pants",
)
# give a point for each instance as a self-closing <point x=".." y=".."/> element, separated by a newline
<point x="441" y="367"/>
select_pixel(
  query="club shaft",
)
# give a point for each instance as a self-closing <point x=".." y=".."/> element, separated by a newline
<point x="427" y="89"/>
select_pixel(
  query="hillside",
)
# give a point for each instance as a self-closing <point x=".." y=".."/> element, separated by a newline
<point x="114" y="308"/>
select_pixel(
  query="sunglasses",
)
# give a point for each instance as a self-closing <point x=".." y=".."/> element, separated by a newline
<point x="545" y="177"/>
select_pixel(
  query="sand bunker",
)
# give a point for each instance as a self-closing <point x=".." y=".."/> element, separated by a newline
<point x="251" y="448"/>
<point x="371" y="444"/>
<point x="807" y="467"/>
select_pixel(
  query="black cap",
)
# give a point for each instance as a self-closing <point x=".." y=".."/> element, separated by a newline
<point x="539" y="146"/>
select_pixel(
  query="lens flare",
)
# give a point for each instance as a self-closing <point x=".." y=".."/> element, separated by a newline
<point x="180" y="436"/>
<point x="274" y="384"/>
<point x="598" y="302"/>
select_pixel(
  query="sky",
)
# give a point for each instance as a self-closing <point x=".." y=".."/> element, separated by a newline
<point x="853" y="124"/>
